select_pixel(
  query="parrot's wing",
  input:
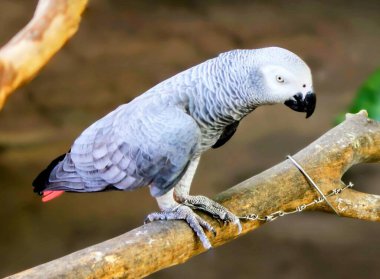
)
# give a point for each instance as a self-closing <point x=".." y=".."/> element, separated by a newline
<point x="131" y="147"/>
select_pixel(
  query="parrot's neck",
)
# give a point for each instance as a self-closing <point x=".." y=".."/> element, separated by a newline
<point x="221" y="97"/>
<point x="217" y="100"/>
<point x="216" y="110"/>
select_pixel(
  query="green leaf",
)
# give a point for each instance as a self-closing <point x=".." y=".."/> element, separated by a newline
<point x="367" y="97"/>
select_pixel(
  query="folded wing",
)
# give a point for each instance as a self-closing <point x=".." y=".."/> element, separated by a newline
<point x="135" y="145"/>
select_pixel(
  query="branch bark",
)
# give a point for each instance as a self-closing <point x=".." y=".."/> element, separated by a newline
<point x="158" y="245"/>
<point x="54" y="22"/>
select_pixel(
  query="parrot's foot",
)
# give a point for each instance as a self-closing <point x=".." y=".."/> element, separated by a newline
<point x="215" y="209"/>
<point x="184" y="212"/>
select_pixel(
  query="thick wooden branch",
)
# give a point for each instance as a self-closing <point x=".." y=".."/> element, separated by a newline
<point x="158" y="245"/>
<point x="54" y="22"/>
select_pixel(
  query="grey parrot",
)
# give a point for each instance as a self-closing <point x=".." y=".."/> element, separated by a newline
<point x="157" y="139"/>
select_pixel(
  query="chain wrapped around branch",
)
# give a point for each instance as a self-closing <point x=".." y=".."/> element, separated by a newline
<point x="280" y="213"/>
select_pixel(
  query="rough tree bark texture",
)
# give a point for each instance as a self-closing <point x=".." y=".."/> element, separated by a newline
<point x="54" y="22"/>
<point x="158" y="245"/>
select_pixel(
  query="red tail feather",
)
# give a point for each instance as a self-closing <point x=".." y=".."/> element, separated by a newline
<point x="49" y="195"/>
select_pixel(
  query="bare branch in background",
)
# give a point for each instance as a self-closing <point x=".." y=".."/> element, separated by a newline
<point x="54" y="22"/>
<point x="158" y="245"/>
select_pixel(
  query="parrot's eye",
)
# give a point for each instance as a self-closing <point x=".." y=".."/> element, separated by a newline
<point x="280" y="79"/>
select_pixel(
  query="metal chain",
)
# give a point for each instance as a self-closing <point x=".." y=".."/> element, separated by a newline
<point x="273" y="216"/>
<point x="311" y="182"/>
<point x="322" y="198"/>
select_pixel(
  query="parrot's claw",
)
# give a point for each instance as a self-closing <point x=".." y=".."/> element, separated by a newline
<point x="215" y="209"/>
<point x="184" y="212"/>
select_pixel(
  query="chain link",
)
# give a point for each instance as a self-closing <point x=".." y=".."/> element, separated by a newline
<point x="273" y="216"/>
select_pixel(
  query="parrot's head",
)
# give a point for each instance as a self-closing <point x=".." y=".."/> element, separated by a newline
<point x="285" y="78"/>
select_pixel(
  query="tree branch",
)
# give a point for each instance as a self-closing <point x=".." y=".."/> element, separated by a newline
<point x="158" y="245"/>
<point x="54" y="22"/>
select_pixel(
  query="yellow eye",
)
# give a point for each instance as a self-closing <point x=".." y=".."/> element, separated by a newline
<point x="280" y="79"/>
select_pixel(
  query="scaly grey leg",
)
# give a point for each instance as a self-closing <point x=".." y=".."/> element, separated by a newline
<point x="171" y="210"/>
<point x="183" y="212"/>
<point x="215" y="209"/>
<point x="177" y="204"/>
<point x="181" y="194"/>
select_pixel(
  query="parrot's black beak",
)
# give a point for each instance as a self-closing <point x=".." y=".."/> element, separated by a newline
<point x="307" y="104"/>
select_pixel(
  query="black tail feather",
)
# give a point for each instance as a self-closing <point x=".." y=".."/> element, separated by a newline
<point x="42" y="180"/>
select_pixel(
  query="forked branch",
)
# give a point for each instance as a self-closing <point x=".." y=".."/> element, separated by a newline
<point x="158" y="245"/>
<point x="54" y="22"/>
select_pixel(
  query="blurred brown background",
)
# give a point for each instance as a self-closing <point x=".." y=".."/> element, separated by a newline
<point x="125" y="47"/>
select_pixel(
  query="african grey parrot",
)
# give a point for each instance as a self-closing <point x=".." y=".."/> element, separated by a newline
<point x="157" y="139"/>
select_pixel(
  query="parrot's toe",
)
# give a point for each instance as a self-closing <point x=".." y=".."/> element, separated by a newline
<point x="238" y="225"/>
<point x="183" y="212"/>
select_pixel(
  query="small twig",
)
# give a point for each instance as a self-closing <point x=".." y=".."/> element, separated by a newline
<point x="54" y="22"/>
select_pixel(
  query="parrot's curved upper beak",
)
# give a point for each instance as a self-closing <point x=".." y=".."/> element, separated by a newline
<point x="307" y="104"/>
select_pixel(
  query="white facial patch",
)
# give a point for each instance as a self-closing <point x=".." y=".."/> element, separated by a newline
<point x="283" y="83"/>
